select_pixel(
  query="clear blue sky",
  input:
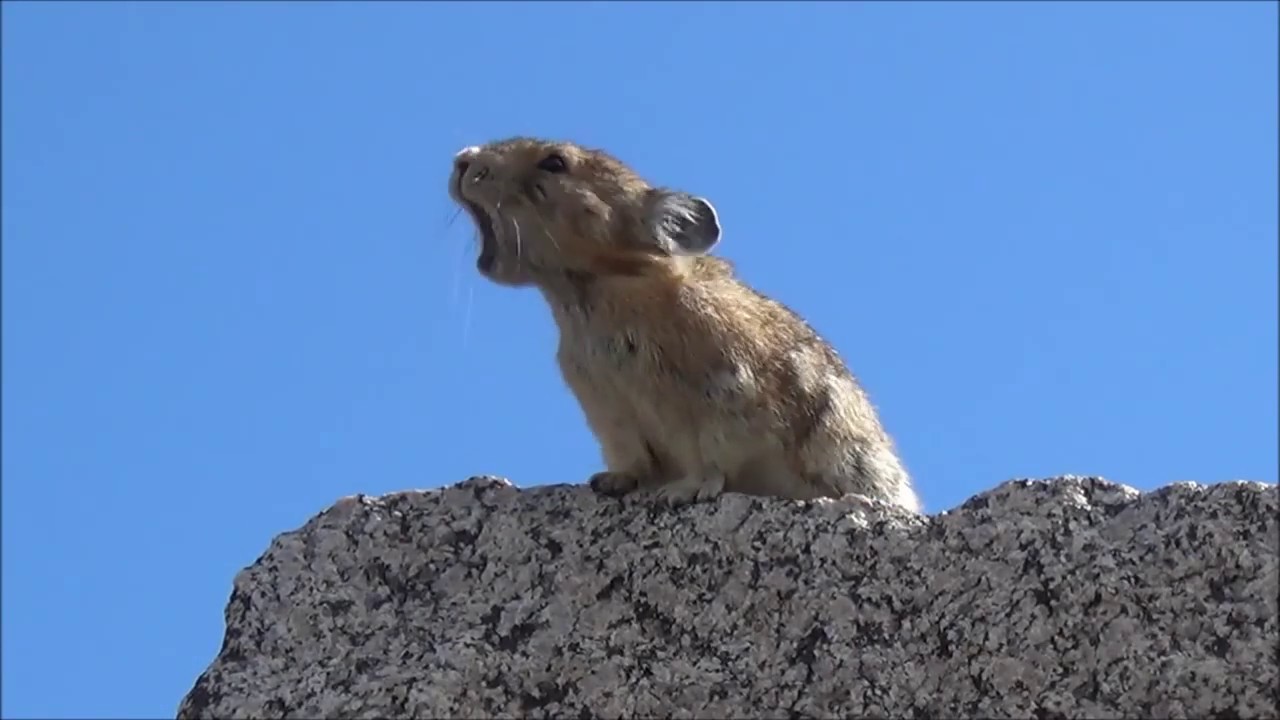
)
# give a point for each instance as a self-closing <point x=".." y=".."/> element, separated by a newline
<point x="1043" y="235"/>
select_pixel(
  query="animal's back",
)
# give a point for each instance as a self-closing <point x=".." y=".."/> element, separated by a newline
<point x="720" y="380"/>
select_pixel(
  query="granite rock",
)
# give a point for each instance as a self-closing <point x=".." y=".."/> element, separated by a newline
<point x="1070" y="597"/>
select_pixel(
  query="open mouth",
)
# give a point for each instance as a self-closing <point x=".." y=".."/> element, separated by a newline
<point x="488" y="239"/>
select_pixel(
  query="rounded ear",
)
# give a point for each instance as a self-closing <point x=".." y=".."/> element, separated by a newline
<point x="681" y="223"/>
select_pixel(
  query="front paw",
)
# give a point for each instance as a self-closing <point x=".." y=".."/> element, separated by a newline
<point x="691" y="489"/>
<point x="613" y="484"/>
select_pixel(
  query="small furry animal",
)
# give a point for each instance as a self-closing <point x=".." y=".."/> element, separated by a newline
<point x="693" y="383"/>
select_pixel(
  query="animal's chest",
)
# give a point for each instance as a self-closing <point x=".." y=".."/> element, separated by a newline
<point x="618" y="360"/>
<point x="676" y="365"/>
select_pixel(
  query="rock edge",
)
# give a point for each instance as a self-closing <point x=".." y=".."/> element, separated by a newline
<point x="1069" y="597"/>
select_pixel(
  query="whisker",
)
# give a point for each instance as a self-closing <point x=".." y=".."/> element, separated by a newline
<point x="466" y="318"/>
<point x="516" y="224"/>
<point x="546" y="229"/>
<point x="457" y="270"/>
<point x="451" y="218"/>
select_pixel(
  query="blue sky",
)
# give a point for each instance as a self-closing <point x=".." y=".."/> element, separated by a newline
<point x="1043" y="235"/>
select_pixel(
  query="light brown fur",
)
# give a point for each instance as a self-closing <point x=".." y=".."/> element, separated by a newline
<point x="693" y="383"/>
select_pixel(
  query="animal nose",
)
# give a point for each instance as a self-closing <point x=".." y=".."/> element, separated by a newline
<point x="470" y="170"/>
<point x="463" y="160"/>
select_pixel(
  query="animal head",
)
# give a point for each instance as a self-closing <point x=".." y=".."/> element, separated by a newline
<point x="546" y="208"/>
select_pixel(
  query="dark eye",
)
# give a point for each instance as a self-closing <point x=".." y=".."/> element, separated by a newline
<point x="553" y="163"/>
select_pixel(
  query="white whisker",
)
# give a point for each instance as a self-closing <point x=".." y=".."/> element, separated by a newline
<point x="466" y="318"/>
<point x="515" y="224"/>
<point x="457" y="271"/>
<point x="546" y="230"/>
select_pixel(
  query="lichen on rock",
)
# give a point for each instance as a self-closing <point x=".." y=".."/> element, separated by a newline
<point x="1070" y="597"/>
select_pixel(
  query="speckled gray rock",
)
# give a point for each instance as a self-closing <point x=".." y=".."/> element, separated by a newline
<point x="1073" y="597"/>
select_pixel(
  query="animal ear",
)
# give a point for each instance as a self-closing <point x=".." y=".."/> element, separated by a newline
<point x="681" y="223"/>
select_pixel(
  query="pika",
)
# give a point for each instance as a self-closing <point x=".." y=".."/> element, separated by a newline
<point x="693" y="383"/>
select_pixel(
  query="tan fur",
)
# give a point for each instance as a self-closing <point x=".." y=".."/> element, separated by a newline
<point x="693" y="383"/>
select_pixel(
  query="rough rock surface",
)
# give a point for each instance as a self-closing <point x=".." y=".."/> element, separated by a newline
<point x="1073" y="597"/>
